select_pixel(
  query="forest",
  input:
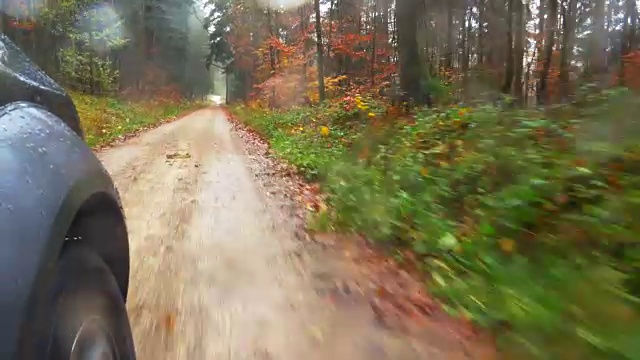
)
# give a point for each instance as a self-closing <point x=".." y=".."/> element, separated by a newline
<point x="491" y="145"/>
<point x="127" y="64"/>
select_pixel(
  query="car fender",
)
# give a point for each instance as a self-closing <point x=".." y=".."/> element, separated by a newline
<point x="46" y="173"/>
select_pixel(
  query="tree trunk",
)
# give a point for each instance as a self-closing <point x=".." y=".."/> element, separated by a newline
<point x="374" y="37"/>
<point x="409" y="57"/>
<point x="272" y="58"/>
<point x="508" y="73"/>
<point x="450" y="46"/>
<point x="321" y="94"/>
<point x="542" y="95"/>
<point x="305" y="50"/>
<point x="519" y="48"/>
<point x="331" y="65"/>
<point x="542" y="10"/>
<point x="598" y="65"/>
<point x="482" y="4"/>
<point x="466" y="45"/>
<point x="568" y="29"/>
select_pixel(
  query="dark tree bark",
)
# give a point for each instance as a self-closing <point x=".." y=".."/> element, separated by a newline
<point x="409" y="57"/>
<point x="542" y="95"/>
<point x="303" y="34"/>
<point x="331" y="65"/>
<point x="466" y="46"/>
<point x="568" y="29"/>
<point x="482" y="4"/>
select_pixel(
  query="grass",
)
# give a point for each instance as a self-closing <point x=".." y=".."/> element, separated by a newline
<point x="524" y="221"/>
<point x="105" y="119"/>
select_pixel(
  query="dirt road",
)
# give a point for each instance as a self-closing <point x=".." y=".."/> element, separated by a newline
<point x="216" y="272"/>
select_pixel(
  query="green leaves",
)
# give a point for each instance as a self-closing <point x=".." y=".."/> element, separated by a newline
<point x="448" y="242"/>
<point x="519" y="227"/>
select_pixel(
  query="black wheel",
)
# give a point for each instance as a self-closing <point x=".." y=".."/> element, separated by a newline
<point x="89" y="318"/>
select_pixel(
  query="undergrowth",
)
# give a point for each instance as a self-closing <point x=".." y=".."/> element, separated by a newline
<point x="524" y="221"/>
<point x="104" y="119"/>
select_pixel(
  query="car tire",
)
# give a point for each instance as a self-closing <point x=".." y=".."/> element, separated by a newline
<point x="89" y="317"/>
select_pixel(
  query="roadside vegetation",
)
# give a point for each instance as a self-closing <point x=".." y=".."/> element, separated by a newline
<point x="491" y="144"/>
<point x="524" y="221"/>
<point x="105" y="119"/>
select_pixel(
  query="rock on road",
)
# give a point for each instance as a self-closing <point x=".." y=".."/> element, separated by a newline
<point x="214" y="273"/>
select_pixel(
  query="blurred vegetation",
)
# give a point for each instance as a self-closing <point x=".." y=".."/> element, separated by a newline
<point x="105" y="119"/>
<point x="525" y="221"/>
<point x="133" y="48"/>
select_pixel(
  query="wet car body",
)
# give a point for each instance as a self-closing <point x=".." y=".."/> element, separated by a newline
<point x="53" y="191"/>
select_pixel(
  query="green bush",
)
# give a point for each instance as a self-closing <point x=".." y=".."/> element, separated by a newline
<point x="525" y="221"/>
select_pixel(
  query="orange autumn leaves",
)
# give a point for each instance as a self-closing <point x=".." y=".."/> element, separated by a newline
<point x="364" y="107"/>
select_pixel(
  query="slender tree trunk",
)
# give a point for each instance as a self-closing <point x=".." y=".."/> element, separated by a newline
<point x="385" y="26"/>
<point x="508" y="77"/>
<point x="466" y="46"/>
<point x="633" y="10"/>
<point x="331" y="64"/>
<point x="374" y="38"/>
<point x="598" y="64"/>
<point x="321" y="94"/>
<point x="303" y="35"/>
<point x="450" y="46"/>
<point x="92" y="70"/>
<point x="519" y="51"/>
<point x="568" y="28"/>
<point x="527" y="77"/>
<point x="543" y="97"/>
<point x="482" y="8"/>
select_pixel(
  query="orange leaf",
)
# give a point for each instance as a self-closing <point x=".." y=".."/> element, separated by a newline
<point x="507" y="245"/>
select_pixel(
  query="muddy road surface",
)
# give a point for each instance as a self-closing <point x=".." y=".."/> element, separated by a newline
<point x="216" y="270"/>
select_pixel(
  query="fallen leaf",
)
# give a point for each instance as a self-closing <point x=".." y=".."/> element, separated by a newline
<point x="170" y="322"/>
<point x="507" y="245"/>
